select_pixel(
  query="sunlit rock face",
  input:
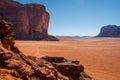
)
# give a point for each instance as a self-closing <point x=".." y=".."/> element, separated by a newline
<point x="30" y="20"/>
<point x="109" y="31"/>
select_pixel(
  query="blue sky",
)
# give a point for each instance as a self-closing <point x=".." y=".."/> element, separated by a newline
<point x="80" y="17"/>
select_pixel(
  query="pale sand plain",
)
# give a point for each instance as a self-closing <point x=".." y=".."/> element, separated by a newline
<point x="100" y="56"/>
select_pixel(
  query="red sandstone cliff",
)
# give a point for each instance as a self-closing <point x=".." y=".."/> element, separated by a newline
<point x="30" y="20"/>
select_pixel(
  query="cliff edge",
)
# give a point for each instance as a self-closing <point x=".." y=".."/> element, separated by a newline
<point x="17" y="66"/>
<point x="30" y="20"/>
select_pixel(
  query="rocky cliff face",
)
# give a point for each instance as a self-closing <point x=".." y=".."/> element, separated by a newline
<point x="109" y="31"/>
<point x="30" y="20"/>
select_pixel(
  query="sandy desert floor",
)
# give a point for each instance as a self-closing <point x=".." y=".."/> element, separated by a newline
<point x="100" y="56"/>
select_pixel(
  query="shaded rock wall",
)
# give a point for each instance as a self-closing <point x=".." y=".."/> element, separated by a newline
<point x="30" y="20"/>
<point x="109" y="31"/>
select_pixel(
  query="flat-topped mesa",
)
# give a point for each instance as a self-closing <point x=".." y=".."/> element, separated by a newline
<point x="30" y="20"/>
<point x="109" y="31"/>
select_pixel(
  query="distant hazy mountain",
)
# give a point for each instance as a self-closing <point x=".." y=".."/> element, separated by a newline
<point x="73" y="36"/>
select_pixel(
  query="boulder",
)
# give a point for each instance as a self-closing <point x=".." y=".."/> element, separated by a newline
<point x="70" y="68"/>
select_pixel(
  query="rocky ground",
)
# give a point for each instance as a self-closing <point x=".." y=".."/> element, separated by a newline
<point x="17" y="66"/>
<point x="100" y="56"/>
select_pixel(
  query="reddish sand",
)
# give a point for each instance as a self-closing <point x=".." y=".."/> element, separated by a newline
<point x="100" y="56"/>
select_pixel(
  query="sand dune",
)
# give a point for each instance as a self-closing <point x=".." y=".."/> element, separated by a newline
<point x="100" y="56"/>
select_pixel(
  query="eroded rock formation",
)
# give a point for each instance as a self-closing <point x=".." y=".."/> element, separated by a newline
<point x="109" y="31"/>
<point x="17" y="66"/>
<point x="30" y="20"/>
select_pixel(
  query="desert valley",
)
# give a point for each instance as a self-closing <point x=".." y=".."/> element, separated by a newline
<point x="26" y="24"/>
<point x="100" y="56"/>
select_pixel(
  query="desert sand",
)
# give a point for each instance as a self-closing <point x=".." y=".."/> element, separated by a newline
<point x="100" y="56"/>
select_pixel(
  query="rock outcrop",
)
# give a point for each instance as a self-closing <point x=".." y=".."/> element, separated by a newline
<point x="109" y="31"/>
<point x="70" y="68"/>
<point x="14" y="65"/>
<point x="51" y="38"/>
<point x="17" y="66"/>
<point x="30" y="20"/>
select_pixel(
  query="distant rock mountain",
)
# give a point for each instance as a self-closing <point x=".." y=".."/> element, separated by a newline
<point x="109" y="31"/>
<point x="68" y="36"/>
<point x="30" y="20"/>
